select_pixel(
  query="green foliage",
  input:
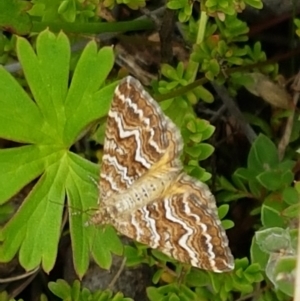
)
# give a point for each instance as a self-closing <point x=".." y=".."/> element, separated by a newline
<point x="72" y="16"/>
<point x="67" y="10"/>
<point x="280" y="264"/>
<point x="297" y="23"/>
<point x="75" y="10"/>
<point x="171" y="292"/>
<point x="224" y="49"/>
<point x="7" y="47"/>
<point x="47" y="128"/>
<point x="220" y="8"/>
<point x="65" y="292"/>
<point x="222" y="286"/>
<point x="13" y="16"/>
<point x="6" y="211"/>
<point x="176" y="78"/>
<point x="270" y="181"/>
<point x="218" y="48"/>
<point x="264" y="173"/>
<point x="5" y="297"/>
<point x="184" y="8"/>
<point x="194" y="132"/>
<point x="58" y="110"/>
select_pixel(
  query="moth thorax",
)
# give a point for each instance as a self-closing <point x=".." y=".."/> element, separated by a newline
<point x="142" y="193"/>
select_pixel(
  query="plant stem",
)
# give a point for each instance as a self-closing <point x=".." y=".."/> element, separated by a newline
<point x="192" y="68"/>
<point x="93" y="28"/>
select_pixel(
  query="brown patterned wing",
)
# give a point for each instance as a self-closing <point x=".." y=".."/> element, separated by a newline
<point x="137" y="135"/>
<point x="183" y="224"/>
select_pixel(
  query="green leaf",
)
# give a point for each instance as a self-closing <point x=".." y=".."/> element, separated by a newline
<point x="225" y="184"/>
<point x="175" y="4"/>
<point x="157" y="275"/>
<point x="85" y="89"/>
<point x="75" y="290"/>
<point x="169" y="72"/>
<point x="227" y="224"/>
<point x="206" y="151"/>
<point x="49" y="126"/>
<point x="13" y="16"/>
<point x="68" y="10"/>
<point x="193" y="151"/>
<point x="178" y="110"/>
<point x="153" y="294"/>
<point x="207" y="131"/>
<point x="258" y="255"/>
<point x="271" y="216"/>
<point x="256" y="189"/>
<point x="60" y="288"/>
<point x="273" y="239"/>
<point x="180" y="70"/>
<point x="6" y="210"/>
<point x="214" y="67"/>
<point x="196" y="278"/>
<point x="203" y="94"/>
<point x="223" y="210"/>
<point x="292" y="211"/>
<point x="245" y="174"/>
<point x="253" y="119"/>
<point x="133" y="256"/>
<point x="263" y="154"/>
<point x="235" y="60"/>
<point x="284" y="274"/>
<point x="270" y="179"/>
<point x="255" y="3"/>
<point x="290" y="195"/>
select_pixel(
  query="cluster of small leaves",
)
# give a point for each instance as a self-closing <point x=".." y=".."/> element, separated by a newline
<point x="270" y="181"/>
<point x="7" y="47"/>
<point x="230" y="7"/>
<point x="184" y="8"/>
<point x="224" y="286"/>
<point x="176" y="77"/>
<point x="65" y="292"/>
<point x="184" y="283"/>
<point x="76" y="10"/>
<point x="13" y="16"/>
<point x="67" y="10"/>
<point x="220" y="8"/>
<point x="194" y="130"/>
<point x="263" y="178"/>
<point x="222" y="50"/>
<point x="280" y="245"/>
